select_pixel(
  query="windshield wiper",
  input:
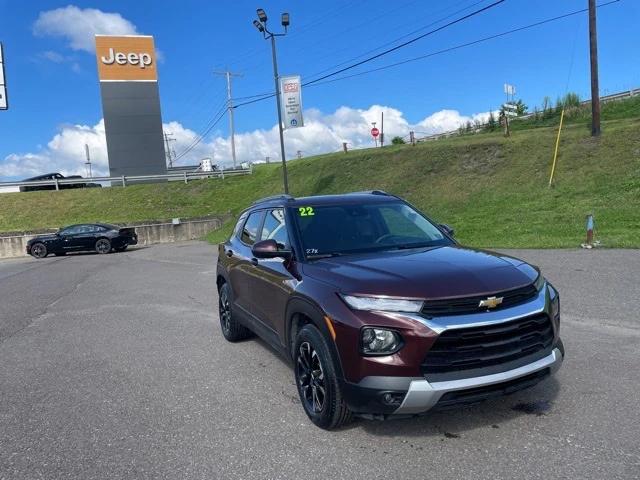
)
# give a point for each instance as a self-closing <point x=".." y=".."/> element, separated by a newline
<point x="319" y="256"/>
<point x="411" y="245"/>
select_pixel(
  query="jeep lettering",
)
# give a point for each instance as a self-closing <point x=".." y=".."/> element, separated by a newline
<point x="142" y="59"/>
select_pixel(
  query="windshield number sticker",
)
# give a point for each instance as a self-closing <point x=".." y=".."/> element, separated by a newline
<point x="312" y="251"/>
<point x="306" y="211"/>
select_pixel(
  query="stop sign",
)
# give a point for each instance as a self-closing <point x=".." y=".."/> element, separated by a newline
<point x="375" y="132"/>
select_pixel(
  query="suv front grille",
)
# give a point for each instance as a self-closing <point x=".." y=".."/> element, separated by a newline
<point x="486" y="346"/>
<point x="459" y="306"/>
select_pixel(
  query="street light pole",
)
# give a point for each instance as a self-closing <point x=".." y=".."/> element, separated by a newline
<point x="261" y="25"/>
<point x="277" y="83"/>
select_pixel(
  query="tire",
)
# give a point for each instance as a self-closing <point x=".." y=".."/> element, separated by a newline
<point x="39" y="250"/>
<point x="232" y="330"/>
<point x="103" y="246"/>
<point x="121" y="248"/>
<point x="317" y="380"/>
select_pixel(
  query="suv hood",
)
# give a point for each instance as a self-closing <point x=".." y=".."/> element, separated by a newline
<point x="438" y="272"/>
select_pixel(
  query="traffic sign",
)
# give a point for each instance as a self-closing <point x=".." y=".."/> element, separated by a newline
<point x="375" y="132"/>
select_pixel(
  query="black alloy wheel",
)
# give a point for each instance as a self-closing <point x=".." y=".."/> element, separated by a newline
<point x="317" y="379"/>
<point x="103" y="246"/>
<point x="39" y="250"/>
<point x="310" y="376"/>
<point x="231" y="329"/>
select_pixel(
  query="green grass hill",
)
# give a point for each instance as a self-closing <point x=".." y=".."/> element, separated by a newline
<point x="492" y="190"/>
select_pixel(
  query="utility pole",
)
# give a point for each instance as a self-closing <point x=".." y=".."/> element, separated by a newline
<point x="167" y="139"/>
<point x="88" y="162"/>
<point x="595" y="89"/>
<point x="228" y="75"/>
<point x="382" y="132"/>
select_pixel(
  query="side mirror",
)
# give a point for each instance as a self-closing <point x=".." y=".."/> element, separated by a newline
<point x="447" y="229"/>
<point x="269" y="249"/>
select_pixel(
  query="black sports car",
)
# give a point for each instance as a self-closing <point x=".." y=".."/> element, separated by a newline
<point x="99" y="237"/>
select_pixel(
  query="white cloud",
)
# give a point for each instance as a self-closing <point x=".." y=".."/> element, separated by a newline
<point x="323" y="133"/>
<point x="64" y="153"/>
<point x="79" y="26"/>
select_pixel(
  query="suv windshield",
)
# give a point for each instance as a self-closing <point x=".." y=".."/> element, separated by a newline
<point x="341" y="229"/>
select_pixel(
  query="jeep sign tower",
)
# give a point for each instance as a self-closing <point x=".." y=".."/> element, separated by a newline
<point x="131" y="105"/>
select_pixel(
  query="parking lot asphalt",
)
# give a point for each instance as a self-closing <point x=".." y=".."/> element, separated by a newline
<point x="113" y="366"/>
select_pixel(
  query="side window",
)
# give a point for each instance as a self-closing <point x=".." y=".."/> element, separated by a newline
<point x="274" y="227"/>
<point x="71" y="230"/>
<point x="250" y="230"/>
<point x="238" y="228"/>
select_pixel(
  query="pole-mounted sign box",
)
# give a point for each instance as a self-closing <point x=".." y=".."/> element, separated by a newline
<point x="4" y="103"/>
<point x="291" y="94"/>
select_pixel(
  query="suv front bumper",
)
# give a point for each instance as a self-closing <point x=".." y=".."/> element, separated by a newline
<point x="412" y="395"/>
<point x="423" y="396"/>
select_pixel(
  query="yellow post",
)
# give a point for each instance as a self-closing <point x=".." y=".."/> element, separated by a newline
<point x="555" y="154"/>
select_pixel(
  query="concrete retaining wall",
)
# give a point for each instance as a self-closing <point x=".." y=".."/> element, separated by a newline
<point x="14" y="245"/>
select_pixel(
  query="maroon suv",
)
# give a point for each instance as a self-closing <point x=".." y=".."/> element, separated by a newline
<point x="380" y="310"/>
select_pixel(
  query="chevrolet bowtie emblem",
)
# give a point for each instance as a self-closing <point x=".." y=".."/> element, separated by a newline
<point x="491" y="302"/>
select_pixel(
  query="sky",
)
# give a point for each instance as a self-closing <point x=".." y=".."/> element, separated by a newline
<point x="54" y="94"/>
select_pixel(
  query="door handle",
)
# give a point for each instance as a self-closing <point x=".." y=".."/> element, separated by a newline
<point x="254" y="261"/>
<point x="229" y="253"/>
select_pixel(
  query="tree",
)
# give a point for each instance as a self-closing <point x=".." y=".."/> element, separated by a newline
<point x="492" y="123"/>
<point x="469" y="127"/>
<point x="398" y="141"/>
<point x="521" y="107"/>
<point x="571" y="99"/>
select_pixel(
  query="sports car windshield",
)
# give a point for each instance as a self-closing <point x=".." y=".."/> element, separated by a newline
<point x="332" y="230"/>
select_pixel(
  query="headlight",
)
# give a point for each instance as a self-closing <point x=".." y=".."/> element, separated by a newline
<point x="383" y="304"/>
<point x="380" y="341"/>
<point x="540" y="281"/>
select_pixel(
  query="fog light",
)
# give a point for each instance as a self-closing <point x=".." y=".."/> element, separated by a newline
<point x="379" y="341"/>
<point x="392" y="398"/>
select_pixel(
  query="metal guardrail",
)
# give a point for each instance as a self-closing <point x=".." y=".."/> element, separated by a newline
<point x="128" y="179"/>
<point x="603" y="99"/>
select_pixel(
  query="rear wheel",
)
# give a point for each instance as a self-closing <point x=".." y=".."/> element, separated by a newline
<point x="317" y="381"/>
<point x="232" y="330"/>
<point x="103" y="245"/>
<point x="39" y="250"/>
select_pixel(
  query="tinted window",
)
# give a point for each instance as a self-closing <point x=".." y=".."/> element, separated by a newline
<point x="341" y="229"/>
<point x="250" y="230"/>
<point x="69" y="230"/>
<point x="238" y="227"/>
<point x="274" y="227"/>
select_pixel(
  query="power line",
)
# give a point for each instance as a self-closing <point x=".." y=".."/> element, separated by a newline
<point x="408" y="42"/>
<point x="432" y="54"/>
<point x="212" y="123"/>
<point x="385" y="52"/>
<point x="463" y="45"/>
<point x="405" y="35"/>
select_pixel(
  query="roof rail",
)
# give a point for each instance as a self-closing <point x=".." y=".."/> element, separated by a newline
<point x="273" y="197"/>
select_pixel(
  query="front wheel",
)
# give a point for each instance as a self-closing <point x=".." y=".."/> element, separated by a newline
<point x="39" y="250"/>
<point x="317" y="381"/>
<point x="103" y="246"/>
